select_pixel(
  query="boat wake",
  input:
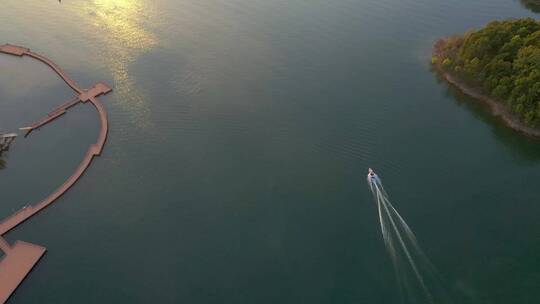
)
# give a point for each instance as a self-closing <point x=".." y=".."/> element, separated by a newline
<point x="417" y="278"/>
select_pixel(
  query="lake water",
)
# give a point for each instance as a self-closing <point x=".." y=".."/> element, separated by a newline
<point x="241" y="133"/>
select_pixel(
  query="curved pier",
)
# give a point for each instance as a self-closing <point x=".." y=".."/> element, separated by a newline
<point x="21" y="257"/>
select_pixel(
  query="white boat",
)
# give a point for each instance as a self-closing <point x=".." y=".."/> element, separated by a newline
<point x="372" y="177"/>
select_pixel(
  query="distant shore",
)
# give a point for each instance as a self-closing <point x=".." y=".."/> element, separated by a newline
<point x="497" y="107"/>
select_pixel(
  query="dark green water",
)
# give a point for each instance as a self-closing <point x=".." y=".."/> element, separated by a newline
<point x="241" y="132"/>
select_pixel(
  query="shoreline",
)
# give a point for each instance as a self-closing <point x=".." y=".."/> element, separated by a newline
<point x="496" y="107"/>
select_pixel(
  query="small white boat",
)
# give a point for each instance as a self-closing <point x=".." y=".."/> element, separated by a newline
<point x="372" y="177"/>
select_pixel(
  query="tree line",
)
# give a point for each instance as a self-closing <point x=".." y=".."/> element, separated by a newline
<point x="502" y="59"/>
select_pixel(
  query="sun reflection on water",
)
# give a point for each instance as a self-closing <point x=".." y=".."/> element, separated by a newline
<point x="121" y="28"/>
<point x="123" y="20"/>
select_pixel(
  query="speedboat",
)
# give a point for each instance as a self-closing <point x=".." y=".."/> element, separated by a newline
<point x="372" y="177"/>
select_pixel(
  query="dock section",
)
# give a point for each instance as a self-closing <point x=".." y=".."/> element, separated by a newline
<point x="20" y="258"/>
<point x="17" y="262"/>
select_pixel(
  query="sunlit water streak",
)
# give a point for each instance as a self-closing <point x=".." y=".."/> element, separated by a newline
<point x="122" y="33"/>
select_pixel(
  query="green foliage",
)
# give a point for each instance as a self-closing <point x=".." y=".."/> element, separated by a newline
<point x="447" y="62"/>
<point x="503" y="59"/>
<point x="533" y="5"/>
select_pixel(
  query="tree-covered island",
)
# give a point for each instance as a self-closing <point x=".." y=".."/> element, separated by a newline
<point x="499" y="64"/>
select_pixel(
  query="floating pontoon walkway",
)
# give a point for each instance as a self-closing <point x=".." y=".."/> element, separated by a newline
<point x="21" y="257"/>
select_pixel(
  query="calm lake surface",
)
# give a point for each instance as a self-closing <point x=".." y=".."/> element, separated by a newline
<point x="241" y="133"/>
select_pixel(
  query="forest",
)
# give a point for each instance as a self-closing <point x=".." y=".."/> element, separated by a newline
<point x="502" y="60"/>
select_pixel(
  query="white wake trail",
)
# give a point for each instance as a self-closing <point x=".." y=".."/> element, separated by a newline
<point x="415" y="274"/>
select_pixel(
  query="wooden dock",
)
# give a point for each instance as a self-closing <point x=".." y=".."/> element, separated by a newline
<point x="20" y="258"/>
<point x="18" y="261"/>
